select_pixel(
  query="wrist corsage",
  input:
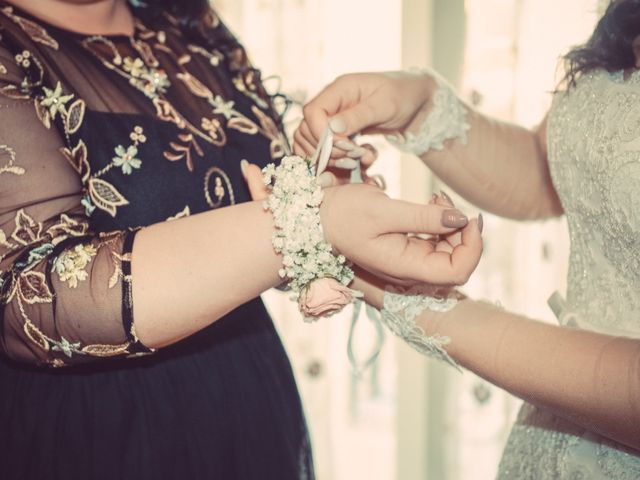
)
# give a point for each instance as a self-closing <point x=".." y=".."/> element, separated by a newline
<point x="317" y="277"/>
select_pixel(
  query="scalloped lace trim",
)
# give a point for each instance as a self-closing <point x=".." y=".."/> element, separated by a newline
<point x="399" y="313"/>
<point x="446" y="121"/>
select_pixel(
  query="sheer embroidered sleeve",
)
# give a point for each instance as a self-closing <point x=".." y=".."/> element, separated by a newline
<point x="64" y="290"/>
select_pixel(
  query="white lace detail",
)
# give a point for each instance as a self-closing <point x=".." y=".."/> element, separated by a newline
<point x="594" y="157"/>
<point x="401" y="307"/>
<point x="446" y="121"/>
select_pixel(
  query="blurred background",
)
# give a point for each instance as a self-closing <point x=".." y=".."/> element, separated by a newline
<point x="409" y="418"/>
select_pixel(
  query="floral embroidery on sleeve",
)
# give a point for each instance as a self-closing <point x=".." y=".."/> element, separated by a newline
<point x="10" y="166"/>
<point x="71" y="264"/>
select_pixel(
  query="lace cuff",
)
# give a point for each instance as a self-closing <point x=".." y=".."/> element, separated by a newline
<point x="446" y="121"/>
<point x="399" y="313"/>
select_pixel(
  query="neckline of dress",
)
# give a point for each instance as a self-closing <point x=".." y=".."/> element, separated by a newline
<point x="66" y="31"/>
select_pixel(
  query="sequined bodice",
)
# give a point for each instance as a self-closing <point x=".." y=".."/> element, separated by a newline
<point x="594" y="156"/>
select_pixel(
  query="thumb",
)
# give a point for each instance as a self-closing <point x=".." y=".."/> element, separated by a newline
<point x="253" y="176"/>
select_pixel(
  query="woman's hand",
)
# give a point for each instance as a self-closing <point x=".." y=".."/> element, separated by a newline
<point x="373" y="231"/>
<point x="364" y="103"/>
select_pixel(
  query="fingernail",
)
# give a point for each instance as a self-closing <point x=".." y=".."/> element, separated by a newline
<point x="480" y="222"/>
<point x="357" y="152"/>
<point x="344" y="145"/>
<point x="325" y="180"/>
<point x="434" y="198"/>
<point x="446" y="198"/>
<point x="338" y="125"/>
<point x="454" y="218"/>
<point x="346" y="163"/>
<point x="379" y="181"/>
<point x="243" y="167"/>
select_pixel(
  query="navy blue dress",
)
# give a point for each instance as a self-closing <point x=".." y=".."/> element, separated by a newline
<point x="99" y="137"/>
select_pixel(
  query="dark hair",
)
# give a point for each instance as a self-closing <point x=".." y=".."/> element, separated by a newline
<point x="611" y="44"/>
<point x="195" y="18"/>
<point x="200" y="23"/>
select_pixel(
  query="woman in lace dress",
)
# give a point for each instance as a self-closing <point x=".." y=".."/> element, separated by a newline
<point x="134" y="342"/>
<point x="580" y="380"/>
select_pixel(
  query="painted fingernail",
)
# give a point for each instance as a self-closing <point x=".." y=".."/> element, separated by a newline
<point x="344" y="145"/>
<point x="454" y="218"/>
<point x="446" y="198"/>
<point x="338" y="125"/>
<point x="243" y="167"/>
<point x="346" y="163"/>
<point x="325" y="180"/>
<point x="379" y="181"/>
<point x="357" y="152"/>
<point x="480" y="222"/>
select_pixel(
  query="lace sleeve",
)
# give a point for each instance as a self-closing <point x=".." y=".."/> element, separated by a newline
<point x="447" y="120"/>
<point x="65" y="292"/>
<point x="401" y="309"/>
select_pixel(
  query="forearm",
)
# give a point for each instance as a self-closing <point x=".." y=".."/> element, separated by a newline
<point x="588" y="378"/>
<point x="190" y="272"/>
<point x="502" y="168"/>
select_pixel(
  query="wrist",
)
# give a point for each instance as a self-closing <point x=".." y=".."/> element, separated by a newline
<point x="371" y="287"/>
<point x="298" y="236"/>
<point x="441" y="118"/>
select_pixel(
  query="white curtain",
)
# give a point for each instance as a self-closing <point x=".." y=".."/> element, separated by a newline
<point x="511" y="66"/>
<point x="509" y="69"/>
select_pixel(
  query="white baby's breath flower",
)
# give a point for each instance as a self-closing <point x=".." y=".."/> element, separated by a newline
<point x="294" y="201"/>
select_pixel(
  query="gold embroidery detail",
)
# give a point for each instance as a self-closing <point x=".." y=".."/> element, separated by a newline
<point x="35" y="335"/>
<point x="146" y="52"/>
<point x="10" y="167"/>
<point x="51" y="104"/>
<point x="27" y="230"/>
<point x="65" y="228"/>
<point x="214" y="128"/>
<point x="219" y="176"/>
<point x="186" y="211"/>
<point x="23" y="59"/>
<point x="270" y="130"/>
<point x="105" y="196"/>
<point x="214" y="57"/>
<point x="77" y="157"/>
<point x="3" y="69"/>
<point x="183" y="150"/>
<point x="71" y="264"/>
<point x="35" y="31"/>
<point x="74" y="117"/>
<point x="194" y="85"/>
<point x="167" y="113"/>
<point x="98" y="350"/>
<point x="32" y="288"/>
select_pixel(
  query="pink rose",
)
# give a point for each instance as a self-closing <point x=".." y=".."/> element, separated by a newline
<point x="324" y="297"/>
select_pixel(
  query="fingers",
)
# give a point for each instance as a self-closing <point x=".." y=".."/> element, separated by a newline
<point x="372" y="111"/>
<point x="377" y="181"/>
<point x="420" y="261"/>
<point x="453" y="239"/>
<point x="466" y="256"/>
<point x="253" y="177"/>
<point x="343" y="91"/>
<point x="304" y="144"/>
<point x="370" y="156"/>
